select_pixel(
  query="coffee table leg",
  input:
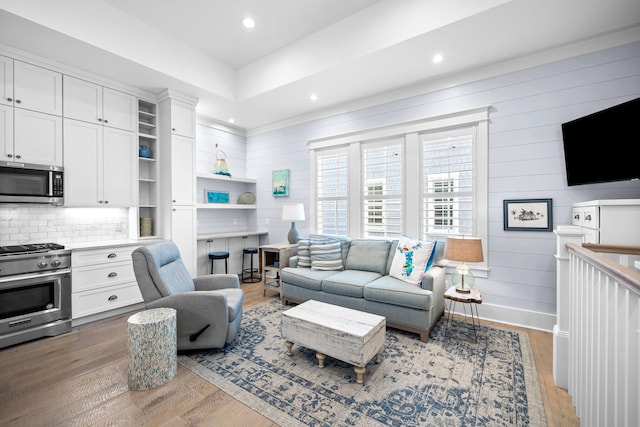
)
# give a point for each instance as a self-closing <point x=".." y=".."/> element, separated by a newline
<point x="289" y="346"/>
<point x="378" y="356"/>
<point x="320" y="358"/>
<point x="359" y="374"/>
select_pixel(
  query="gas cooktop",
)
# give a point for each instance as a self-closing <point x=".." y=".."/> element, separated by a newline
<point x="29" y="248"/>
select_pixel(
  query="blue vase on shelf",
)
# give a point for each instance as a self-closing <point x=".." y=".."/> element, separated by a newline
<point x="144" y="152"/>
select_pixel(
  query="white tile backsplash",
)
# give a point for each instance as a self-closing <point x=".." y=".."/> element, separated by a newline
<point x="23" y="223"/>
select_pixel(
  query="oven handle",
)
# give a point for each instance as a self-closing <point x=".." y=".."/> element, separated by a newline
<point x="57" y="273"/>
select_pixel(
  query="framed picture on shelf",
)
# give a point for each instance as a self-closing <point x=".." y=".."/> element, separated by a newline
<point x="528" y="215"/>
<point x="211" y="196"/>
<point x="280" y="183"/>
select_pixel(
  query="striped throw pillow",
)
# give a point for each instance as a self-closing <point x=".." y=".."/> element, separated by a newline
<point x="326" y="255"/>
<point x="304" y="256"/>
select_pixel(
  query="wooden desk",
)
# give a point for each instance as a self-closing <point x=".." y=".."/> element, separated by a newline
<point x="274" y="258"/>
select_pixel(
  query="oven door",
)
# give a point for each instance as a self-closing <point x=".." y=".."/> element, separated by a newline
<point x="30" y="301"/>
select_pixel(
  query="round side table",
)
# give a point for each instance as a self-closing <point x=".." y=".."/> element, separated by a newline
<point x="472" y="298"/>
<point x="152" y="345"/>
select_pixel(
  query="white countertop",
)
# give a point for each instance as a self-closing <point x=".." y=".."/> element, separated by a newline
<point x="224" y="235"/>
<point x="108" y="244"/>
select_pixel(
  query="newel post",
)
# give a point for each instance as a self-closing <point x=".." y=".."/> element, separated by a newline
<point x="564" y="234"/>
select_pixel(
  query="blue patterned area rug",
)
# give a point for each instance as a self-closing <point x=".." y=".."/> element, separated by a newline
<point x="450" y="381"/>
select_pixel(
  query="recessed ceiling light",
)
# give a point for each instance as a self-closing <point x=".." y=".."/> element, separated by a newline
<point x="313" y="97"/>
<point x="438" y="58"/>
<point x="231" y="120"/>
<point x="248" y="22"/>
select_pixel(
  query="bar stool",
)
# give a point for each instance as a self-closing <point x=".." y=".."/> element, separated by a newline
<point x="219" y="255"/>
<point x="251" y="270"/>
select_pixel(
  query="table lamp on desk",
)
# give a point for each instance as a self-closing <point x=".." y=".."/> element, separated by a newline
<point x="293" y="212"/>
<point x="463" y="250"/>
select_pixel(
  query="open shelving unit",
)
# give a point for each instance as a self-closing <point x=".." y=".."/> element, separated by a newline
<point x="235" y="186"/>
<point x="148" y="166"/>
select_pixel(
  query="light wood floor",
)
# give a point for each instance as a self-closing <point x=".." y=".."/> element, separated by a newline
<point x="80" y="379"/>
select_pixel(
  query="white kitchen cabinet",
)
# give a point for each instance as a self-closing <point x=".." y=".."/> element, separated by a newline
<point x="183" y="225"/>
<point x="93" y="103"/>
<point x="183" y="119"/>
<point x="102" y="280"/>
<point x="101" y="166"/>
<point x="182" y="170"/>
<point x="30" y="87"/>
<point x="176" y="166"/>
<point x="614" y="221"/>
<point x="6" y="81"/>
<point x="30" y="136"/>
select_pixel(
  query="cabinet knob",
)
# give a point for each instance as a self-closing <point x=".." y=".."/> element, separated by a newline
<point x="18" y="156"/>
<point x="106" y="121"/>
<point x="99" y="201"/>
<point x="113" y="297"/>
<point x="9" y="155"/>
<point x="18" y="101"/>
<point x="99" y="119"/>
<point x="112" y="274"/>
<point x="577" y="216"/>
<point x="106" y="201"/>
<point x="112" y="255"/>
<point x="173" y="129"/>
<point x="587" y="218"/>
<point x="9" y="99"/>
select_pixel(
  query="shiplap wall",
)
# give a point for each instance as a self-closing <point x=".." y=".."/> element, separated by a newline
<point x="525" y="161"/>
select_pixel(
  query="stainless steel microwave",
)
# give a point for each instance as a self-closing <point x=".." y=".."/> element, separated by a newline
<point x="29" y="183"/>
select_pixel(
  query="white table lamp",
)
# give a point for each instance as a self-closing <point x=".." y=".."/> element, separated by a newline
<point x="293" y="212"/>
<point x="463" y="250"/>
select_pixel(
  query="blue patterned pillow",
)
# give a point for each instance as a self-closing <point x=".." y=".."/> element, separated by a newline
<point x="326" y="255"/>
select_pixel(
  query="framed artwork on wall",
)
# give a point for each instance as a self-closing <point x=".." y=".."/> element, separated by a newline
<point x="528" y="215"/>
<point x="280" y="183"/>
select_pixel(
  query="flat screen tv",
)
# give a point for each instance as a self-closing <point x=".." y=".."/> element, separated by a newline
<point x="602" y="146"/>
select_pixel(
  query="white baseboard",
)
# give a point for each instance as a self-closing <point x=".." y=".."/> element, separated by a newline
<point x="512" y="316"/>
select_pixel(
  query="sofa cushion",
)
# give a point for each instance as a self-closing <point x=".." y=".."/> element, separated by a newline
<point x="368" y="255"/>
<point x="390" y="290"/>
<point x="410" y="259"/>
<point x="345" y="242"/>
<point x="305" y="277"/>
<point x="326" y="255"/>
<point x="348" y="282"/>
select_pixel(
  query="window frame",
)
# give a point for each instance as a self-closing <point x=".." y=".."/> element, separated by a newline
<point x="411" y="131"/>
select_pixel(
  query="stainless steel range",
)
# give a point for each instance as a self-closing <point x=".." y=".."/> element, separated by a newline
<point x="35" y="292"/>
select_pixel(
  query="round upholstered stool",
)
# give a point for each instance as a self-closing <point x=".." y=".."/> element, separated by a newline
<point x="153" y="348"/>
<point x="219" y="255"/>
<point x="250" y="275"/>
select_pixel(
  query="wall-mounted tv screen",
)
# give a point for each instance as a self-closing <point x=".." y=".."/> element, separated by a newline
<point x="602" y="146"/>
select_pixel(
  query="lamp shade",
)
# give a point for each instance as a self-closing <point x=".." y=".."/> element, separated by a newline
<point x="464" y="249"/>
<point x="293" y="212"/>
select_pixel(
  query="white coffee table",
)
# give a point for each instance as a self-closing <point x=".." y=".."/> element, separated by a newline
<point x="348" y="335"/>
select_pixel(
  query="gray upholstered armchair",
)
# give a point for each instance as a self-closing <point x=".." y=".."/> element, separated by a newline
<point x="209" y="308"/>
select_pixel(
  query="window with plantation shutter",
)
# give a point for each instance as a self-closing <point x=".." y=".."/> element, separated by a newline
<point x="331" y="192"/>
<point x="426" y="179"/>
<point x="383" y="176"/>
<point x="447" y="174"/>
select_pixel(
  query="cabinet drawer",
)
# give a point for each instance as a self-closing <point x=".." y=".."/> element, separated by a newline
<point x="103" y="299"/>
<point x="100" y="256"/>
<point x="590" y="217"/>
<point x="577" y="217"/>
<point x="97" y="276"/>
<point x="591" y="236"/>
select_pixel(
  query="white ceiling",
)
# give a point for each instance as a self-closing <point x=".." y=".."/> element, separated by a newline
<point x="348" y="52"/>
